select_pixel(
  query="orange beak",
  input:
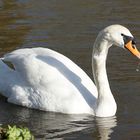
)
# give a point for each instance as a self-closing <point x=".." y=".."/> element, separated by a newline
<point x="132" y="48"/>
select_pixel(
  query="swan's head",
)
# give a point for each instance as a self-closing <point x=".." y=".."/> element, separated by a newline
<point x="120" y="36"/>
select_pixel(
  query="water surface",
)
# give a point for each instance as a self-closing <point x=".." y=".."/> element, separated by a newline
<point x="70" y="27"/>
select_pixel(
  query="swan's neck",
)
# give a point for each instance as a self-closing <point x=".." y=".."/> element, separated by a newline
<point x="106" y="105"/>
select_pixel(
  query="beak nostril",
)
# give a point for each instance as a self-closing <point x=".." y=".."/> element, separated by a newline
<point x="133" y="46"/>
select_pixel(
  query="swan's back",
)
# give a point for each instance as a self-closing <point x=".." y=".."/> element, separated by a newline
<point x="48" y="80"/>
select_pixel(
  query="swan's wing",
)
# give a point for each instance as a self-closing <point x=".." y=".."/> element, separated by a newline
<point x="67" y="68"/>
<point x="42" y="63"/>
<point x="45" y="71"/>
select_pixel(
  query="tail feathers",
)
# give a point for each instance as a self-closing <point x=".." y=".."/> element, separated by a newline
<point x="7" y="78"/>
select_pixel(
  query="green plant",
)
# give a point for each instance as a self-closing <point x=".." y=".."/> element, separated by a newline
<point x="16" y="133"/>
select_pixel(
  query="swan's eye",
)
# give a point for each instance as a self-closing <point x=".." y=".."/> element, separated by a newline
<point x="127" y="39"/>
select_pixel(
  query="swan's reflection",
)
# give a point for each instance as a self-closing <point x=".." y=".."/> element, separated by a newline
<point x="45" y="125"/>
<point x="105" y="127"/>
<point x="54" y="125"/>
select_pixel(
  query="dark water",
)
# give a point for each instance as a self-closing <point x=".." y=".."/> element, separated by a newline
<point x="71" y="27"/>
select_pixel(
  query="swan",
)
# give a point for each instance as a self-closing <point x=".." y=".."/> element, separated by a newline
<point x="43" y="79"/>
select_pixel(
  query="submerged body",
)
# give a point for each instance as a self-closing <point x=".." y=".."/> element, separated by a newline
<point x="44" y="79"/>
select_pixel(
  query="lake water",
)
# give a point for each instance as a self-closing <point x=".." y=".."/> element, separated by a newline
<point x="70" y="27"/>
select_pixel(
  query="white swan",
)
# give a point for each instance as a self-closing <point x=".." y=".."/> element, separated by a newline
<point x="44" y="79"/>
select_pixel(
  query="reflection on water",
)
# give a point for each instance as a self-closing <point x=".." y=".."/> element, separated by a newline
<point x="105" y="127"/>
<point x="46" y="125"/>
<point x="70" y="27"/>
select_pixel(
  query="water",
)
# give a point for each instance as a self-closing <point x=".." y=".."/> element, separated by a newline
<point x="70" y="27"/>
<point x="138" y="67"/>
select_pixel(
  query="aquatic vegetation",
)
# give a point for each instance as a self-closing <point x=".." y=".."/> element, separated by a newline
<point x="15" y="133"/>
